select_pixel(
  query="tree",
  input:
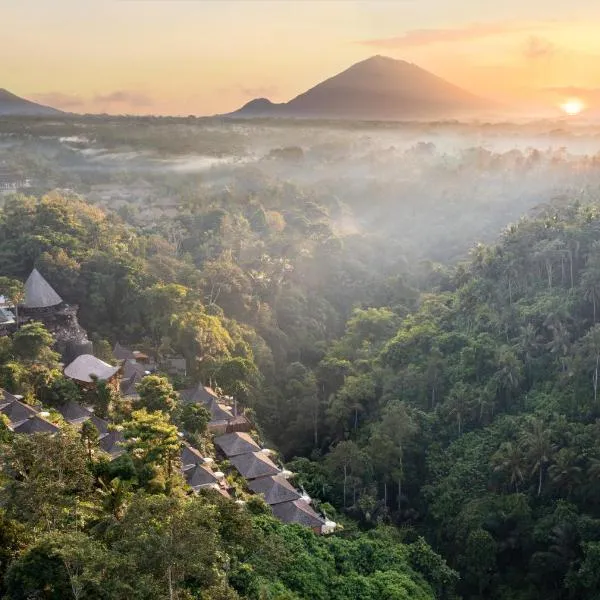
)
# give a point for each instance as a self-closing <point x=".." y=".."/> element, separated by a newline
<point x="510" y="460"/>
<point x="156" y="394"/>
<point x="89" y="436"/>
<point x="47" y="478"/>
<point x="33" y="343"/>
<point x="151" y="439"/>
<point x="101" y="396"/>
<point x="194" y="418"/>
<point x="347" y="458"/>
<point x="386" y="446"/>
<point x="565" y="473"/>
<point x="537" y="440"/>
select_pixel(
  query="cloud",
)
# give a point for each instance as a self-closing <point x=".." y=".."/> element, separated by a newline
<point x="536" y="48"/>
<point x="426" y="37"/>
<point x="59" y="100"/>
<point x="124" y="97"/>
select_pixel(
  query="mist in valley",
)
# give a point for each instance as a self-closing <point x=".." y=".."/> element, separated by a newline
<point x="426" y="190"/>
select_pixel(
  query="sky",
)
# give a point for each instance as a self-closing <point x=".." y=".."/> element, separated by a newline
<point x="204" y="57"/>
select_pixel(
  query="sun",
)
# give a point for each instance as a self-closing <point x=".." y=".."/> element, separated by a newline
<point x="572" y="107"/>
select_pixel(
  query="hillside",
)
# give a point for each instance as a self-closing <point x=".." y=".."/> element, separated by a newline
<point x="12" y="105"/>
<point x="377" y="88"/>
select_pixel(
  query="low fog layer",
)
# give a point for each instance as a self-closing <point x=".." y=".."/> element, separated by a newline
<point x="430" y="190"/>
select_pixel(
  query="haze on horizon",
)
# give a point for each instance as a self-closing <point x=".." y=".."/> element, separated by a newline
<point x="202" y="57"/>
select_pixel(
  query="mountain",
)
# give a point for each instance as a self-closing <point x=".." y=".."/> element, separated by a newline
<point x="376" y="88"/>
<point x="11" y="105"/>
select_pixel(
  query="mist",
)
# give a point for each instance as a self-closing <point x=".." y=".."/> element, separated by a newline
<point x="432" y="189"/>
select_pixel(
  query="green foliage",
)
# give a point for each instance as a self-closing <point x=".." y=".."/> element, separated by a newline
<point x="156" y="394"/>
<point x="194" y="418"/>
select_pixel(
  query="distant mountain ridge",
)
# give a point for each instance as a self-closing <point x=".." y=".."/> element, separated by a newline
<point x="12" y="105"/>
<point x="376" y="88"/>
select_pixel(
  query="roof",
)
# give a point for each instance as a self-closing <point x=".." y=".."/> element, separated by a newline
<point x="190" y="456"/>
<point x="236" y="443"/>
<point x="85" y="365"/>
<point x="275" y="489"/>
<point x="8" y="397"/>
<point x="254" y="465"/>
<point x="198" y="476"/>
<point x="200" y="393"/>
<point x="36" y="424"/>
<point x="39" y="293"/>
<point x="209" y="398"/>
<point x="130" y="368"/>
<point x="122" y="353"/>
<point x="111" y="443"/>
<point x="17" y="411"/>
<point x="128" y="386"/>
<point x="297" y="511"/>
<point x="100" y="424"/>
<point x="73" y="412"/>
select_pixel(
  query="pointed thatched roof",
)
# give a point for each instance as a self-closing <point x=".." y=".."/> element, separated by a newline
<point x="254" y="465"/>
<point x="39" y="293"/>
<point x="86" y="365"/>
<point x="233" y="444"/>
<point x="297" y="511"/>
<point x="275" y="489"/>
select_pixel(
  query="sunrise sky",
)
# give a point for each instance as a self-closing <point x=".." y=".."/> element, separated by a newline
<point x="204" y="57"/>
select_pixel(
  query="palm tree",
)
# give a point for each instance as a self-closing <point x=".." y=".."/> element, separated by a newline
<point x="115" y="495"/>
<point x="510" y="460"/>
<point x="509" y="375"/>
<point x="538" y="444"/>
<point x="565" y="473"/>
<point x="460" y="404"/>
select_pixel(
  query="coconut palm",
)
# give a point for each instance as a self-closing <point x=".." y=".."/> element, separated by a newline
<point x="537" y="442"/>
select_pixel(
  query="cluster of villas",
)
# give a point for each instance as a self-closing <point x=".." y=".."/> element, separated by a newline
<point x="231" y="429"/>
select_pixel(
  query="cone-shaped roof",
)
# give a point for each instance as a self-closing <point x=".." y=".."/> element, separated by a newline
<point x="39" y="293"/>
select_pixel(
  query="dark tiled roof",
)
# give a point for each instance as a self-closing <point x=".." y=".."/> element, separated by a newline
<point x="36" y="424"/>
<point x="17" y="411"/>
<point x="236" y="443"/>
<point x="100" y="424"/>
<point x="209" y="398"/>
<point x="297" y="511"/>
<point x="39" y="293"/>
<point x="128" y="386"/>
<point x="200" y="393"/>
<point x="122" y="353"/>
<point x="74" y="413"/>
<point x="254" y="465"/>
<point x="111" y="443"/>
<point x="190" y="456"/>
<point x="198" y="476"/>
<point x="274" y="489"/>
<point x="8" y="397"/>
<point x="131" y="367"/>
<point x="87" y="364"/>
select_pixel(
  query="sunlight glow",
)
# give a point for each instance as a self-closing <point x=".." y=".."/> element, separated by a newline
<point x="572" y="107"/>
